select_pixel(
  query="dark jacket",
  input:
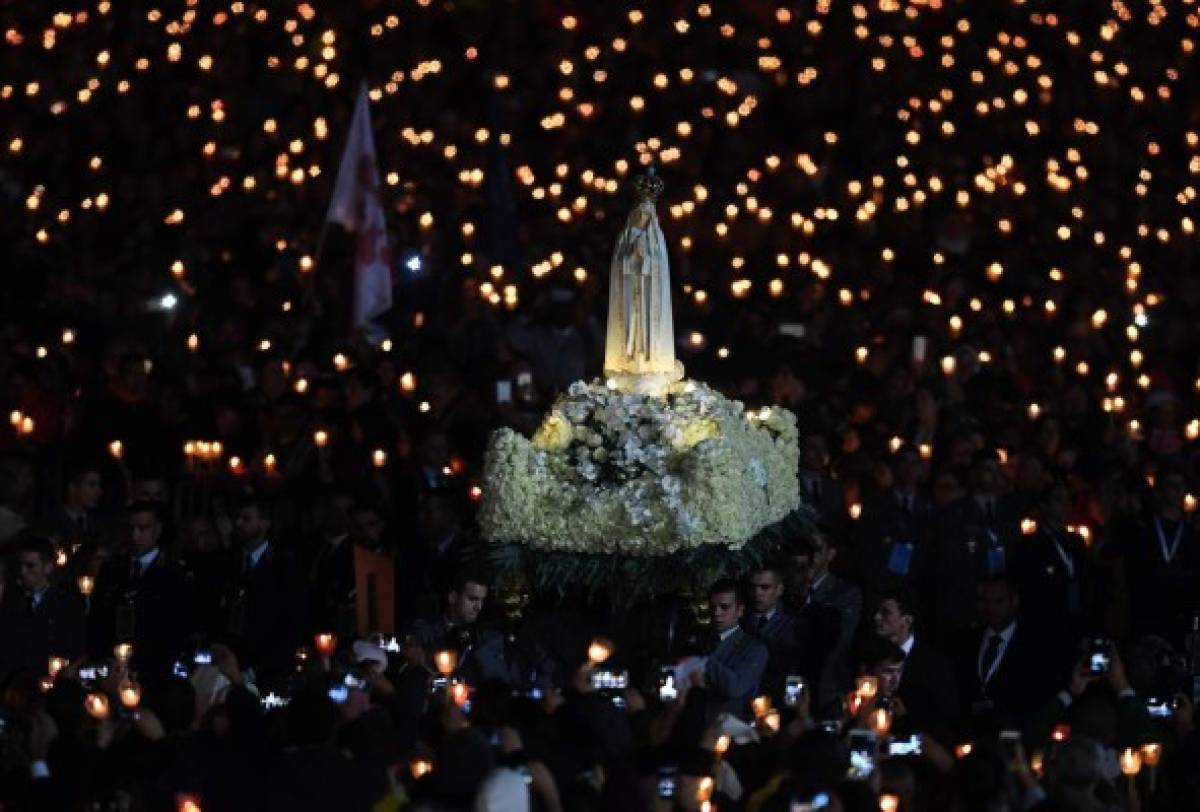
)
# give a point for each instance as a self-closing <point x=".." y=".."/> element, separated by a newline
<point x="733" y="672"/>
<point x="1019" y="683"/>
<point x="265" y="612"/>
<point x="153" y="611"/>
<point x="970" y="545"/>
<point x="1059" y="599"/>
<point x="29" y="639"/>
<point x="927" y="687"/>
<point x="881" y="535"/>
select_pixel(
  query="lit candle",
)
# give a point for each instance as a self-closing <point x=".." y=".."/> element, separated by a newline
<point x="881" y="721"/>
<point x="855" y="511"/>
<point x="704" y="789"/>
<point x="445" y="661"/>
<point x="420" y="767"/>
<point x="854" y="701"/>
<point x="321" y="438"/>
<point x="96" y="704"/>
<point x="1061" y="732"/>
<point x="1151" y="753"/>
<point x="867" y="687"/>
<point x="721" y="746"/>
<point x="760" y="705"/>
<point x="86" y="584"/>
<point x="55" y="665"/>
<point x="771" y="720"/>
<point x="408" y="382"/>
<point x="325" y="643"/>
<point x="1036" y="762"/>
<point x="117" y="449"/>
<point x="599" y="651"/>
<point x="889" y="803"/>
<point x="130" y="694"/>
<point x="187" y="803"/>
<point x="1131" y="762"/>
<point x="123" y="652"/>
<point x="460" y="693"/>
<point x="1029" y="527"/>
<point x="379" y="457"/>
<point x="963" y="750"/>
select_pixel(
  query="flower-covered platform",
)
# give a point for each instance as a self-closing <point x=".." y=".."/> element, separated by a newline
<point x="640" y="493"/>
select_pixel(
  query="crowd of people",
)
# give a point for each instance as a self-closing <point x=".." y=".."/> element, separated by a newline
<point x="989" y="603"/>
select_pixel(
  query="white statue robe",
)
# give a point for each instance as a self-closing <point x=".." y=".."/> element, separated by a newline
<point x="641" y="336"/>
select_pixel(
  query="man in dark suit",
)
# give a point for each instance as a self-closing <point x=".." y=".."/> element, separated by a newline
<point x="736" y="662"/>
<point x="74" y="521"/>
<point x="973" y="542"/>
<point x="999" y="666"/>
<point x="1054" y="576"/>
<point x="891" y="538"/>
<point x="38" y="621"/>
<point x="264" y="601"/>
<point x="1160" y="551"/>
<point x="143" y="599"/>
<point x="483" y="653"/>
<point x="815" y="587"/>
<point x="927" y="686"/>
<point x="824" y="493"/>
<point x="782" y="631"/>
<point x="331" y="572"/>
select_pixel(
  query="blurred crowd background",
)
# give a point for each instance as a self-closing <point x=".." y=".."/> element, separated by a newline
<point x="957" y="241"/>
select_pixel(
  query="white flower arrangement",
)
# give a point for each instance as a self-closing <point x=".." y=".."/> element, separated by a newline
<point x="613" y="471"/>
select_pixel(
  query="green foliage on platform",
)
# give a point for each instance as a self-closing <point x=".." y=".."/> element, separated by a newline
<point x="627" y="578"/>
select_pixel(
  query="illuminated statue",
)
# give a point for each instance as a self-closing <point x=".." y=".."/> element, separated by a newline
<point x="639" y="351"/>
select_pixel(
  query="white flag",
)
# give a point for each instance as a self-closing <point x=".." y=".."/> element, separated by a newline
<point x="356" y="206"/>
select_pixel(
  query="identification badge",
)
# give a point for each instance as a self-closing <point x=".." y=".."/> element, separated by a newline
<point x="996" y="560"/>
<point x="900" y="558"/>
<point x="126" y="621"/>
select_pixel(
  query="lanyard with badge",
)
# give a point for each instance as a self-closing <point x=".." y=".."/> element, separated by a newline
<point x="1168" y="553"/>
<point x="1074" y="600"/>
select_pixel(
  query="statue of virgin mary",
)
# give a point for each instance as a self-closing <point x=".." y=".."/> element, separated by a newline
<point x="639" y="350"/>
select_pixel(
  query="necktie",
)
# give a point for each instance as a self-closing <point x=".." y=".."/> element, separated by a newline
<point x="762" y="624"/>
<point x="30" y="604"/>
<point x="136" y="569"/>
<point x="248" y="563"/>
<point x="989" y="657"/>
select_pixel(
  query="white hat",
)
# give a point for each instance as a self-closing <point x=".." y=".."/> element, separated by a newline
<point x="369" y="651"/>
